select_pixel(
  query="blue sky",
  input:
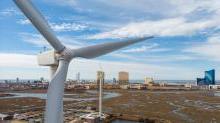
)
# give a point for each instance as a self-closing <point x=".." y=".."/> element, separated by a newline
<point x="186" y="43"/>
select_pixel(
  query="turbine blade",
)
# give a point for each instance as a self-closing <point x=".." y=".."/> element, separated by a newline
<point x="54" y="104"/>
<point x="39" y="22"/>
<point x="102" y="49"/>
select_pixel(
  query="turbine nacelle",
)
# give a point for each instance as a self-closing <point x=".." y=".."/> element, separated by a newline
<point x="48" y="58"/>
<point x="51" y="57"/>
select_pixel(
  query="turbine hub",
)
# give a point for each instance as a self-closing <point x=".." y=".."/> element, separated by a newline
<point x="66" y="54"/>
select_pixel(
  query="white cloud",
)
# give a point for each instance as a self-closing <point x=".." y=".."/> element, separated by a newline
<point x="63" y="27"/>
<point x="64" y="3"/>
<point x="35" y="39"/>
<point x="169" y="18"/>
<point x="24" y="66"/>
<point x="23" y="21"/>
<point x="170" y="58"/>
<point x="124" y="12"/>
<point x="166" y="8"/>
<point x="9" y="12"/>
<point x="141" y="49"/>
<point x="18" y="62"/>
<point x="160" y="59"/>
<point x="137" y="70"/>
<point x="147" y="17"/>
<point x="39" y="41"/>
<point x="209" y="50"/>
<point x="149" y="48"/>
<point x="165" y="27"/>
<point x="67" y="27"/>
<point x="161" y="49"/>
<point x="123" y="56"/>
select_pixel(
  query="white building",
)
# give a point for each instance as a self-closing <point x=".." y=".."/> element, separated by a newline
<point x="137" y="86"/>
<point x="148" y="81"/>
<point x="3" y="116"/>
<point x="124" y="86"/>
<point x="93" y="117"/>
<point x="215" y="87"/>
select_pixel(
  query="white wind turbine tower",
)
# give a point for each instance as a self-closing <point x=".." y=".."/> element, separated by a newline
<point x="59" y="59"/>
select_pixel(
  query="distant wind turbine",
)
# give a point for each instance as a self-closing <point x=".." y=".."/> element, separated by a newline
<point x="59" y="59"/>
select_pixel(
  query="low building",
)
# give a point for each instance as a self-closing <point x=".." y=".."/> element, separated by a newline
<point x="5" y="117"/>
<point x="188" y="85"/>
<point x="215" y="87"/>
<point x="20" y="116"/>
<point x="191" y="86"/>
<point x="148" y="81"/>
<point x="162" y="84"/>
<point x="70" y="86"/>
<point x="124" y="86"/>
<point x="90" y="86"/>
<point x="4" y="85"/>
<point x="137" y="86"/>
<point x="203" y="87"/>
<point x="93" y="117"/>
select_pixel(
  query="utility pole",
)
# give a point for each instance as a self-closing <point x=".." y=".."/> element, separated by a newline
<point x="100" y="96"/>
<point x="101" y="81"/>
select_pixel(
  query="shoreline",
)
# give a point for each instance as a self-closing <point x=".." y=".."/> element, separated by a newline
<point x="6" y="95"/>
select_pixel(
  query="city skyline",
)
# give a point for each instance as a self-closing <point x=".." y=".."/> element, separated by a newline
<point x="176" y="52"/>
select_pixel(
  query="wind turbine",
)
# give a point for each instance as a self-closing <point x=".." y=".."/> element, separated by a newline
<point x="59" y="59"/>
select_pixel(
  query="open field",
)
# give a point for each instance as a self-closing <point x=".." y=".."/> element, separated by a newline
<point x="175" y="106"/>
<point x="167" y="106"/>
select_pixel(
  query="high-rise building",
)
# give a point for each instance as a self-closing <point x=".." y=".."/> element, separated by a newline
<point x="42" y="79"/>
<point x="100" y="77"/>
<point x="114" y="80"/>
<point x="123" y="78"/>
<point x="200" y="81"/>
<point x="148" y="81"/>
<point x="209" y="78"/>
<point x="17" y="79"/>
<point x="78" y="77"/>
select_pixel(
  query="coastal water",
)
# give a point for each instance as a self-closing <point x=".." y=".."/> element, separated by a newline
<point x="73" y="98"/>
<point x="217" y="93"/>
<point x="107" y="95"/>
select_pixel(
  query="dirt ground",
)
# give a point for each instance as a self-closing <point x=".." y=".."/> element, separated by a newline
<point x="174" y="106"/>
